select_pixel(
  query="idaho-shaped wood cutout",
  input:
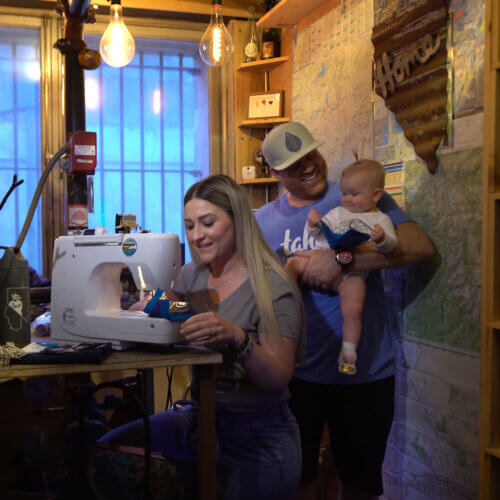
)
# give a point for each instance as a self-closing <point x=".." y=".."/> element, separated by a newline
<point x="411" y="75"/>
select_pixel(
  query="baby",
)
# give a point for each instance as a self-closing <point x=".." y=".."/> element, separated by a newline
<point x="362" y="186"/>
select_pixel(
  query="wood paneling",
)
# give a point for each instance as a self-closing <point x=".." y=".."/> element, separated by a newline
<point x="489" y="418"/>
<point x="53" y="138"/>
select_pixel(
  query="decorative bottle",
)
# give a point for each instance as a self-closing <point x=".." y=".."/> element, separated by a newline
<point x="251" y="50"/>
<point x="270" y="43"/>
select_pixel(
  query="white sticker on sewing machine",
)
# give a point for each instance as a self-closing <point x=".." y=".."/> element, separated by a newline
<point x="129" y="247"/>
<point x="69" y="317"/>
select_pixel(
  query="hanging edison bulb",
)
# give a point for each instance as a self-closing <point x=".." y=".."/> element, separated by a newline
<point x="117" y="45"/>
<point x="216" y="44"/>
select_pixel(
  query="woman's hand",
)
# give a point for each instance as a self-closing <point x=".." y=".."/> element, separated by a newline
<point x="270" y="364"/>
<point x="210" y="329"/>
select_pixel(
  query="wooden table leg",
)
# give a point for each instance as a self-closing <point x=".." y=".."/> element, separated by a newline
<point x="207" y="480"/>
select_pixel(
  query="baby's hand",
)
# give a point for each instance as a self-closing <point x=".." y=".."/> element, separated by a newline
<point x="314" y="218"/>
<point x="378" y="234"/>
<point x="295" y="266"/>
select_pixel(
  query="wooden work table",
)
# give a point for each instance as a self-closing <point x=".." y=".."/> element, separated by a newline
<point x="119" y="360"/>
<point x="203" y="362"/>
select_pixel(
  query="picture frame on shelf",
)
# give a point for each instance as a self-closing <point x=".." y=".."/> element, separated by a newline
<point x="265" y="104"/>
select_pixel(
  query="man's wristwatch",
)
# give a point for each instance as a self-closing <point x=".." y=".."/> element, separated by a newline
<point x="344" y="259"/>
<point x="244" y="350"/>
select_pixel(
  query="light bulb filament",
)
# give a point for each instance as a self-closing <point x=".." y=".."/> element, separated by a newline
<point x="217" y="44"/>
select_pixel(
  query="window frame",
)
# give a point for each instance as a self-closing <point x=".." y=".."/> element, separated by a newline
<point x="53" y="133"/>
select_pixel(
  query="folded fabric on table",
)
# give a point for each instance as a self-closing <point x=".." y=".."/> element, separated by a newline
<point x="77" y="353"/>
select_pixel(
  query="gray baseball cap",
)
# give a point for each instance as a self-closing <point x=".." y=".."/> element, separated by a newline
<point x="286" y="144"/>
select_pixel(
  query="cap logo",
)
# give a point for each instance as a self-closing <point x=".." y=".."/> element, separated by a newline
<point x="292" y="142"/>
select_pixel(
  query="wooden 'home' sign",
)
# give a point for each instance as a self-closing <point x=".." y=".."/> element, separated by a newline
<point x="411" y="75"/>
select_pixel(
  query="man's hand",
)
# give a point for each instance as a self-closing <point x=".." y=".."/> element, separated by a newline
<point x="321" y="269"/>
<point x="313" y="218"/>
<point x="378" y="234"/>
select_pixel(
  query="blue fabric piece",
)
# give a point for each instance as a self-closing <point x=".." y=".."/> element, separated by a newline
<point x="178" y="316"/>
<point x="284" y="228"/>
<point x="343" y="241"/>
<point x="161" y="308"/>
<point x="152" y="307"/>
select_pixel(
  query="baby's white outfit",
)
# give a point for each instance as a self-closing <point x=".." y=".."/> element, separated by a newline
<point x="340" y="220"/>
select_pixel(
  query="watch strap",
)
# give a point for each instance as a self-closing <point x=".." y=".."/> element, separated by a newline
<point x="344" y="258"/>
<point x="244" y="350"/>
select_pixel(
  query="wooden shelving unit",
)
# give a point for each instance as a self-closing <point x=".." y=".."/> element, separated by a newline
<point x="288" y="13"/>
<point x="245" y="135"/>
<point x="489" y="421"/>
<point x="494" y="452"/>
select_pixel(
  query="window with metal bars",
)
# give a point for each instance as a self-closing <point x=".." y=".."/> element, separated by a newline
<point x="20" y="149"/>
<point x="151" y="119"/>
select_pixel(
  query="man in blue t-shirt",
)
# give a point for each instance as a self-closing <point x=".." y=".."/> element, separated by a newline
<point x="358" y="409"/>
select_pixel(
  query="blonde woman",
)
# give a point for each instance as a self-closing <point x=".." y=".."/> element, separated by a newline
<point x="250" y="309"/>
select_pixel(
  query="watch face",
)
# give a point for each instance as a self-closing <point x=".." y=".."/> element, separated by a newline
<point x="344" y="258"/>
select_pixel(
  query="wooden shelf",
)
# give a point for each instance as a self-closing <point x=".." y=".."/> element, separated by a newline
<point x="494" y="324"/>
<point x="262" y="122"/>
<point x="263" y="65"/>
<point x="494" y="452"/>
<point x="259" y="180"/>
<point x="289" y="13"/>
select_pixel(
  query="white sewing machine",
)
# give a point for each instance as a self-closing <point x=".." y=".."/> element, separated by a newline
<point x="86" y="288"/>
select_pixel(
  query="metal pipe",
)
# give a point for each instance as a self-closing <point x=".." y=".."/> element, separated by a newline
<point x="78" y="8"/>
<point x="76" y="15"/>
<point x="74" y="94"/>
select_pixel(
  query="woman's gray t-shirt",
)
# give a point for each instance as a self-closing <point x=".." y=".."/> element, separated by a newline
<point x="233" y="388"/>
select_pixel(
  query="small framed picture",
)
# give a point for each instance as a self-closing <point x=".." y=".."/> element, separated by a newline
<point x="265" y="104"/>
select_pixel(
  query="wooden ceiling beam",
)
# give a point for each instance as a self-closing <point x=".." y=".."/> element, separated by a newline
<point x="175" y="8"/>
<point x="231" y="8"/>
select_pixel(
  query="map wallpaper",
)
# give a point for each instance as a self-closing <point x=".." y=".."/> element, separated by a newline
<point x="333" y="96"/>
